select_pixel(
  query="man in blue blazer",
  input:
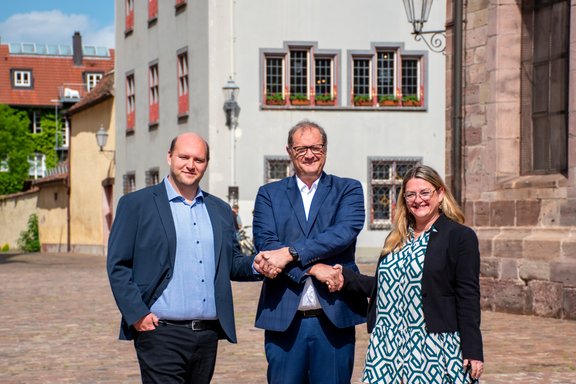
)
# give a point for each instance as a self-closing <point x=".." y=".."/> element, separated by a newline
<point x="299" y="221"/>
<point x="171" y="254"/>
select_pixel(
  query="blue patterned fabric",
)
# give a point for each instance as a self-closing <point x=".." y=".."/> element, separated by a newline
<point x="400" y="349"/>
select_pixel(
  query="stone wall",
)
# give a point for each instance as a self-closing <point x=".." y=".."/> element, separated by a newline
<point x="526" y="223"/>
<point x="15" y="210"/>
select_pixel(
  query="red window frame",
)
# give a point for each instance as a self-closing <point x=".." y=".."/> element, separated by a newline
<point x="183" y="91"/>
<point x="130" y="102"/>
<point x="152" y="9"/>
<point x="129" y="15"/>
<point x="153" y="94"/>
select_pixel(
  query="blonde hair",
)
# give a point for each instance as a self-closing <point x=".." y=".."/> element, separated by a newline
<point x="403" y="219"/>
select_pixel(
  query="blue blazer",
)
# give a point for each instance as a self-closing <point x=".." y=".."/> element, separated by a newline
<point x="450" y="285"/>
<point x="142" y="250"/>
<point x="328" y="236"/>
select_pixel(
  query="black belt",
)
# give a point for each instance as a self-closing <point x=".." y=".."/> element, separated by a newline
<point x="311" y="313"/>
<point x="195" y="325"/>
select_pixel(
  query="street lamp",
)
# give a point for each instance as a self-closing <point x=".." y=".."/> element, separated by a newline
<point x="101" y="137"/>
<point x="417" y="12"/>
<point x="232" y="111"/>
<point x="231" y="107"/>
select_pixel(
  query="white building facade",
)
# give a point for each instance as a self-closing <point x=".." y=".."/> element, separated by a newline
<point x="332" y="62"/>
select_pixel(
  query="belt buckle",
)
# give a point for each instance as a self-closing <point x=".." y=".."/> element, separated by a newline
<point x="197" y="325"/>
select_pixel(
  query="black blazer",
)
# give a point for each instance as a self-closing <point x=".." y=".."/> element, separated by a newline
<point x="142" y="250"/>
<point x="450" y="285"/>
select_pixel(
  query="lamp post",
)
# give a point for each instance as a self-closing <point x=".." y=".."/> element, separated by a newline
<point x="232" y="111"/>
<point x="417" y="12"/>
<point x="101" y="137"/>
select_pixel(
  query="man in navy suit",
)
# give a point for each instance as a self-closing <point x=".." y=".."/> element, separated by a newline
<point x="300" y="221"/>
<point x="171" y="254"/>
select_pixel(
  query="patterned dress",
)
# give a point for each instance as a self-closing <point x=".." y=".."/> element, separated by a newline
<point x="400" y="349"/>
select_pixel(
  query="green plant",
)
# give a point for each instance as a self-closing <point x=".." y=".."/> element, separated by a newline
<point x="29" y="240"/>
<point x="324" y="97"/>
<point x="412" y="98"/>
<point x="275" y="96"/>
<point x="298" y="96"/>
<point x="362" y="98"/>
<point x="387" y="98"/>
<point x="5" y="248"/>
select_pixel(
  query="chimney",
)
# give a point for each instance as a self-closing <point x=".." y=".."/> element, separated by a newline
<point x="77" y="48"/>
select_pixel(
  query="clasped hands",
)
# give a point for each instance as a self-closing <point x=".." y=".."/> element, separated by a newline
<point x="271" y="263"/>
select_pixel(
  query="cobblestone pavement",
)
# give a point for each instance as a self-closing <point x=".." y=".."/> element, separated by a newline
<point x="59" y="324"/>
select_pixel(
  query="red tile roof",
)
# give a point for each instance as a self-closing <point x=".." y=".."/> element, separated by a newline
<point x="50" y="74"/>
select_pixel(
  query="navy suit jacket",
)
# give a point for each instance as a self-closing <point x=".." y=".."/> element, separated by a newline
<point x="450" y="285"/>
<point x="142" y="250"/>
<point x="328" y="236"/>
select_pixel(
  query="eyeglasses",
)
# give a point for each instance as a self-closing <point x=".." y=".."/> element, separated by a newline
<point x="425" y="195"/>
<point x="316" y="149"/>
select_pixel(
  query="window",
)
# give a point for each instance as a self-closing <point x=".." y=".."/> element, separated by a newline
<point x="387" y="77"/>
<point x="37" y="164"/>
<point x="21" y="78"/>
<point x="36" y="123"/>
<point x="183" y="84"/>
<point x="130" y="102"/>
<point x="385" y="176"/>
<point x="545" y="87"/>
<point x="152" y="176"/>
<point x="152" y="10"/>
<point x="129" y="181"/>
<point x="386" y="82"/>
<point x="129" y="10"/>
<point x="275" y="79"/>
<point x="362" y="82"/>
<point x="153" y="94"/>
<point x="277" y="168"/>
<point x="64" y="134"/>
<point x="91" y="80"/>
<point x="300" y="75"/>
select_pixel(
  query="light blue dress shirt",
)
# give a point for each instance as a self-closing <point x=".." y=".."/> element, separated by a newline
<point x="190" y="293"/>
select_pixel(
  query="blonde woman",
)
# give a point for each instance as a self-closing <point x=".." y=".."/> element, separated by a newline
<point x="424" y="311"/>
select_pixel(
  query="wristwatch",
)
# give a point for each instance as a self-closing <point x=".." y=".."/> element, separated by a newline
<point x="293" y="253"/>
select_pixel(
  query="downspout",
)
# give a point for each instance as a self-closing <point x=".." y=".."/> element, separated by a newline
<point x="457" y="53"/>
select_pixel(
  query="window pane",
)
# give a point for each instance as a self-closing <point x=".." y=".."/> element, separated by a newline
<point x="381" y="170"/>
<point x="409" y="77"/>
<point x="550" y="86"/>
<point x="323" y="77"/>
<point x="402" y="167"/>
<point x="381" y="202"/>
<point x="277" y="169"/>
<point x="299" y="72"/>
<point x="541" y="139"/>
<point x="558" y="141"/>
<point x="361" y="77"/>
<point x="385" y="69"/>
<point x="273" y="75"/>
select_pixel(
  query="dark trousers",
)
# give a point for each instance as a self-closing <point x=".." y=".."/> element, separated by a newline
<point x="173" y="354"/>
<point x="312" y="350"/>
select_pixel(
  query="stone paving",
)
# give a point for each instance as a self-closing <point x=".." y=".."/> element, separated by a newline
<point x="59" y="324"/>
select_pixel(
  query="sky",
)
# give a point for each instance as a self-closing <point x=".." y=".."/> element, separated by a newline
<point x="55" y="21"/>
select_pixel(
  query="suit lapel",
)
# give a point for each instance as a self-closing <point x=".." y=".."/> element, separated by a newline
<point x="324" y="187"/>
<point x="165" y="213"/>
<point x="295" y="199"/>
<point x="214" y="214"/>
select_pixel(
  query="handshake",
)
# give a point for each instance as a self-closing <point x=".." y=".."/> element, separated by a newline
<point x="272" y="263"/>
